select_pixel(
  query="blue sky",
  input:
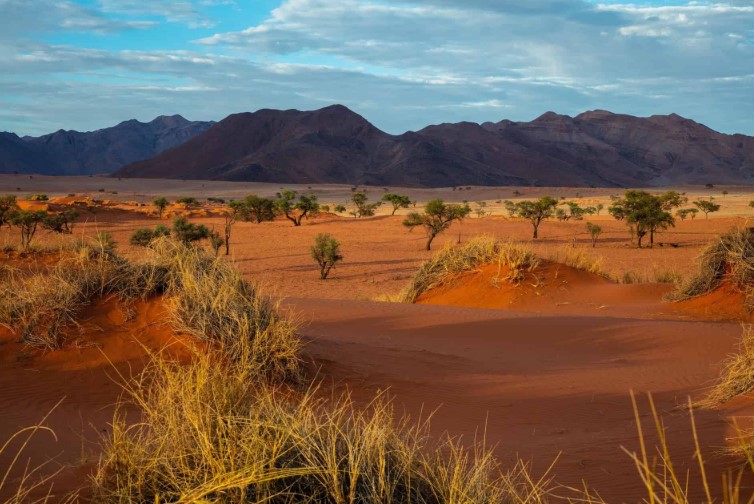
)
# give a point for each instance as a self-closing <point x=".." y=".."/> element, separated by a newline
<point x="87" y="64"/>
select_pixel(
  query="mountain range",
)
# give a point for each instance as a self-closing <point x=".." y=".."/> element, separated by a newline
<point x="97" y="152"/>
<point x="336" y="145"/>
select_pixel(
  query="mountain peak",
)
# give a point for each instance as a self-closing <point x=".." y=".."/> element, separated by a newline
<point x="552" y="117"/>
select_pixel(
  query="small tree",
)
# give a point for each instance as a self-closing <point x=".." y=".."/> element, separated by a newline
<point x="7" y="207"/>
<point x="326" y="251"/>
<point x="187" y="232"/>
<point x="536" y="211"/>
<point x="161" y="203"/>
<point x="599" y="208"/>
<point x="481" y="209"/>
<point x="27" y="222"/>
<point x="594" y="232"/>
<point x="397" y="200"/>
<point x="707" y="207"/>
<point x="294" y="210"/>
<point x="363" y="209"/>
<point x="437" y="217"/>
<point x="340" y="208"/>
<point x="62" y="222"/>
<point x="644" y="213"/>
<point x="751" y="204"/>
<point x="686" y="212"/>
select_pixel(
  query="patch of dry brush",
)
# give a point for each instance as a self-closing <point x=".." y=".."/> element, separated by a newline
<point x="728" y="260"/>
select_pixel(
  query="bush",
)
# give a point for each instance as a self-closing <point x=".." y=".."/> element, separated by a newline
<point x="326" y="252"/>
<point x="38" y="197"/>
<point x="188" y="201"/>
<point x="143" y="237"/>
<point x="212" y="199"/>
<point x="340" y="208"/>
<point x="187" y="232"/>
<point x="62" y="222"/>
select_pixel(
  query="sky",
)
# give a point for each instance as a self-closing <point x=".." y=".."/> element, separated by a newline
<point x="89" y="64"/>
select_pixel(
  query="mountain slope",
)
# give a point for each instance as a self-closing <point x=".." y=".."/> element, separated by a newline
<point x="101" y="151"/>
<point x="336" y="145"/>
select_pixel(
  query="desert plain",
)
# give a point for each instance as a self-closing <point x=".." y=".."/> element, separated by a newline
<point x="543" y="370"/>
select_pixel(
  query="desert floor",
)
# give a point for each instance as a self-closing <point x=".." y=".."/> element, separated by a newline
<point x="545" y="375"/>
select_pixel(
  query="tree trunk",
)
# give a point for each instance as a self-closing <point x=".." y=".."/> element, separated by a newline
<point x="535" y="231"/>
<point x="429" y="241"/>
<point x="394" y="209"/>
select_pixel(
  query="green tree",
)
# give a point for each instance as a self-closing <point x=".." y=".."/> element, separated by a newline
<point x="187" y="232"/>
<point x="437" y="217"/>
<point x="643" y="212"/>
<point x="685" y="212"/>
<point x="340" y="208"/>
<point x="61" y="222"/>
<point x="7" y="207"/>
<point x="294" y="210"/>
<point x="27" y="222"/>
<point x="161" y="203"/>
<point x="536" y="211"/>
<point x="707" y="207"/>
<point x="594" y="232"/>
<point x="397" y="200"/>
<point x="326" y="252"/>
<point x="216" y="241"/>
<point x="363" y="208"/>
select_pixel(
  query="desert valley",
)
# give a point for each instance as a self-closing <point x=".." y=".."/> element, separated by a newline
<point x="528" y="348"/>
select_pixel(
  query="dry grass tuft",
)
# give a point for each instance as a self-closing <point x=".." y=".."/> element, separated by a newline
<point x="737" y="376"/>
<point x="209" y="433"/>
<point x="577" y="258"/>
<point x="446" y="265"/>
<point x="729" y="259"/>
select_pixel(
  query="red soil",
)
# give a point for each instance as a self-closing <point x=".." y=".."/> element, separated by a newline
<point x="78" y="385"/>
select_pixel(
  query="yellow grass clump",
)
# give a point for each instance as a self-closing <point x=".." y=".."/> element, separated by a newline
<point x="210" y="433"/>
<point x="729" y="259"/>
<point x="577" y="258"/>
<point x="447" y="264"/>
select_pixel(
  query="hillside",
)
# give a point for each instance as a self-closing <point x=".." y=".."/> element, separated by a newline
<point x="336" y="145"/>
<point x="95" y="152"/>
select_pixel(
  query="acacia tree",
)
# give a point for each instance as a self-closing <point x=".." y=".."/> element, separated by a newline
<point x="363" y="209"/>
<point x="536" y="211"/>
<point x="27" y="222"/>
<point x="62" y="222"/>
<point x="161" y="203"/>
<point x="707" y="206"/>
<point x="287" y="205"/>
<point x="594" y="232"/>
<point x="397" y="200"/>
<point x="437" y="217"/>
<point x="643" y="212"/>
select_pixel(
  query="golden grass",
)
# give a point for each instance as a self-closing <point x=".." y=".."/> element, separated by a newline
<point x="210" y="433"/>
<point x="447" y="264"/>
<point x="737" y="375"/>
<point x="577" y="258"/>
<point x="729" y="259"/>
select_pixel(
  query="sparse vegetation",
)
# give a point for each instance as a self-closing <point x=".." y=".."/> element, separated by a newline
<point x="536" y="211"/>
<point x="707" y="207"/>
<point x="161" y="204"/>
<point x="7" y="207"/>
<point x="38" y="197"/>
<point x="188" y="202"/>
<point x="398" y="201"/>
<point x="143" y="237"/>
<point x="62" y="222"/>
<point x="594" y="232"/>
<point x="326" y="252"/>
<point x="686" y="212"/>
<point x="437" y="217"/>
<point x="362" y="207"/>
<point x="340" y="208"/>
<point x="287" y="205"/>
<point x="187" y="232"/>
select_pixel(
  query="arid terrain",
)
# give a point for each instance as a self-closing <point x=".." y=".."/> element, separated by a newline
<point x="543" y="369"/>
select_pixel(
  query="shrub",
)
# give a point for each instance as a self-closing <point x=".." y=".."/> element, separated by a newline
<point x="216" y="241"/>
<point x="187" y="232"/>
<point x="27" y="223"/>
<point x="7" y="207"/>
<point x="143" y="237"/>
<point x="38" y="197"/>
<point x="594" y="232"/>
<point x="188" y="201"/>
<point x="363" y="209"/>
<point x="212" y="199"/>
<point x="340" y="208"/>
<point x="326" y="252"/>
<point x="62" y="222"/>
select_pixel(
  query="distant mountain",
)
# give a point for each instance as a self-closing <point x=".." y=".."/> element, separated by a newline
<point x="95" y="152"/>
<point x="336" y="145"/>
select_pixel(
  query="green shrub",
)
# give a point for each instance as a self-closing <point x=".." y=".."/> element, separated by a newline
<point x="326" y="252"/>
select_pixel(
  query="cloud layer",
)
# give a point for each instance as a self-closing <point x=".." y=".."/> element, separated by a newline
<point x="402" y="65"/>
